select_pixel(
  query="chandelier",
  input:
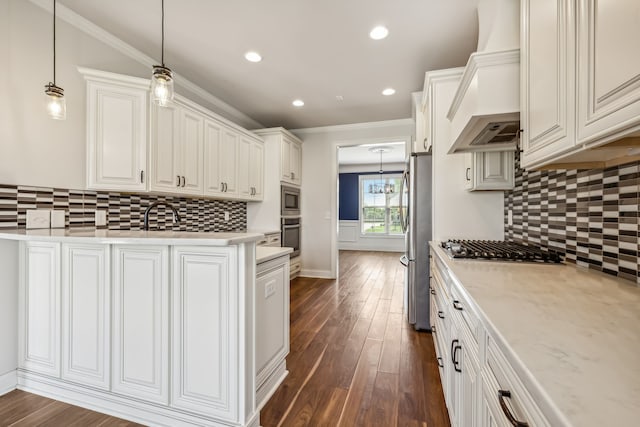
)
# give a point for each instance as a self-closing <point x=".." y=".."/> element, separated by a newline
<point x="381" y="187"/>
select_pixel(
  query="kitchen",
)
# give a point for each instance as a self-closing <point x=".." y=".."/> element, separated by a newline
<point x="573" y="90"/>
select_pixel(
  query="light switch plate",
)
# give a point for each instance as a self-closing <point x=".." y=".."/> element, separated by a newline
<point x="40" y="218"/>
<point x="57" y="218"/>
<point x="101" y="218"/>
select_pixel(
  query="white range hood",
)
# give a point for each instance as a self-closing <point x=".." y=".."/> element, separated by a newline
<point x="485" y="112"/>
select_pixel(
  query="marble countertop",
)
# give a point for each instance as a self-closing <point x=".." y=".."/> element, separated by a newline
<point x="264" y="231"/>
<point x="267" y="253"/>
<point x="132" y="236"/>
<point x="572" y="335"/>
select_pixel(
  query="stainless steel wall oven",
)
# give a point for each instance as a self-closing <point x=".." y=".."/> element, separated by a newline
<point x="290" y="201"/>
<point x="291" y="234"/>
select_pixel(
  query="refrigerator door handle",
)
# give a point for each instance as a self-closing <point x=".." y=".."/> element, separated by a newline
<point x="404" y="219"/>
<point x="404" y="260"/>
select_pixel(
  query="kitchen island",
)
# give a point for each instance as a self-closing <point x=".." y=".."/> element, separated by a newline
<point x="152" y="326"/>
<point x="556" y="344"/>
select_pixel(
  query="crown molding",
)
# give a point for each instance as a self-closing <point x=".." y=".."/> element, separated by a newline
<point x="354" y="126"/>
<point x="109" y="39"/>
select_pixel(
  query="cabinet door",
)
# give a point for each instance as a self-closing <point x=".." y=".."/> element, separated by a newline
<point x="165" y="149"/>
<point x="608" y="68"/>
<point x="229" y="161"/>
<point x="116" y="136"/>
<point x="272" y="317"/>
<point x="212" y="157"/>
<point x="547" y="78"/>
<point x="141" y="322"/>
<point x="469" y="400"/>
<point x="296" y="163"/>
<point x="285" y="159"/>
<point x="256" y="171"/>
<point x="86" y="296"/>
<point x="191" y="152"/>
<point x="205" y="341"/>
<point x="493" y="170"/>
<point x="244" y="168"/>
<point x="39" y="308"/>
<point x="469" y="170"/>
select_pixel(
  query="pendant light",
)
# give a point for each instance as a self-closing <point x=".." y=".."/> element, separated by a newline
<point x="382" y="187"/>
<point x="56" y="105"/>
<point x="162" y="77"/>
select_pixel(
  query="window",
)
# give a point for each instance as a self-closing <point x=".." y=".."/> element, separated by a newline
<point x="380" y="204"/>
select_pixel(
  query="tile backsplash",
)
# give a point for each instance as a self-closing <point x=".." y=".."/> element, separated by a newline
<point x="124" y="210"/>
<point x="589" y="215"/>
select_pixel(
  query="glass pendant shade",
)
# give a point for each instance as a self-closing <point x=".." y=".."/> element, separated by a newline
<point x="162" y="85"/>
<point x="55" y="102"/>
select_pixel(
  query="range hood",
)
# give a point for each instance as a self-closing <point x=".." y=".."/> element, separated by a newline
<point x="485" y="111"/>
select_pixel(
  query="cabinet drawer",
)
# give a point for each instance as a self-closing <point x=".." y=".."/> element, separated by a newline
<point x="273" y="239"/>
<point x="461" y="308"/>
<point x="502" y="383"/>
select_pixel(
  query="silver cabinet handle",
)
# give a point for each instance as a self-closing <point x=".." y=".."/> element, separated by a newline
<point x="507" y="412"/>
<point x="178" y="183"/>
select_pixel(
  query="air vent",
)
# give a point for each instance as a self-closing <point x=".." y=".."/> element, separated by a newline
<point x="497" y="133"/>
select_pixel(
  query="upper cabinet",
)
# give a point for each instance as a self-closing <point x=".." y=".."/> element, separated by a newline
<point x="489" y="170"/>
<point x="580" y="88"/>
<point x="291" y="159"/>
<point x="422" y="141"/>
<point x="191" y="151"/>
<point x="290" y="150"/>
<point x="116" y="131"/>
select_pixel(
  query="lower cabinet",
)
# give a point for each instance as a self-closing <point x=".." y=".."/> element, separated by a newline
<point x="86" y="306"/>
<point x="205" y="345"/>
<point x="141" y="322"/>
<point x="480" y="386"/>
<point x="272" y="324"/>
<point x="39" y="308"/>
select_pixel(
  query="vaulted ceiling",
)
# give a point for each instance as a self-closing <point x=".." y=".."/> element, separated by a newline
<point x="315" y="51"/>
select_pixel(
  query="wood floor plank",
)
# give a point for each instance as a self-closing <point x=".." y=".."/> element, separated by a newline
<point x="390" y="358"/>
<point x="383" y="410"/>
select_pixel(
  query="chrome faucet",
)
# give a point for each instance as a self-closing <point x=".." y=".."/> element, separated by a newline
<point x="176" y="216"/>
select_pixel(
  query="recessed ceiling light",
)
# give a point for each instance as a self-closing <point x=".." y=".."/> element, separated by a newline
<point x="298" y="103"/>
<point x="252" y="56"/>
<point x="379" y="32"/>
<point x="388" y="91"/>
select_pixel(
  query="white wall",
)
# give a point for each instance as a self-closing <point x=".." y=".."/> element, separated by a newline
<point x="370" y="168"/>
<point x="350" y="239"/>
<point x="319" y="185"/>
<point x="34" y="149"/>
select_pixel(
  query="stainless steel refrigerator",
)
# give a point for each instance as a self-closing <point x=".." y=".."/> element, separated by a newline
<point x="417" y="226"/>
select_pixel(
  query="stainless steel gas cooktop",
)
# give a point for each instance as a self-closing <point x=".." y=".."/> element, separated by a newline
<point x="499" y="251"/>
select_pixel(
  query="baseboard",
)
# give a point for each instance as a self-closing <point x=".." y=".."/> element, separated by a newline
<point x="266" y="390"/>
<point x="317" y="274"/>
<point x="124" y="407"/>
<point x="372" y="248"/>
<point x="8" y="382"/>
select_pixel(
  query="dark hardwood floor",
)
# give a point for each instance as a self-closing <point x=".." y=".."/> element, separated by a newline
<point x="354" y="360"/>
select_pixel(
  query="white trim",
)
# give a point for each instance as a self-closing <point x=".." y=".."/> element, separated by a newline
<point x="127" y="408"/>
<point x="354" y="126"/>
<point x="109" y="39"/>
<point x="317" y="274"/>
<point x="8" y="382"/>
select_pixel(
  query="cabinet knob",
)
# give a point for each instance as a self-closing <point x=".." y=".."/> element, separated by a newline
<point x="507" y="412"/>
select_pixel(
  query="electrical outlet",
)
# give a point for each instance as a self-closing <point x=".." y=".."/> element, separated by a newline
<point x="269" y="289"/>
<point x="226" y="216"/>
<point x="100" y="218"/>
<point x="58" y="218"/>
<point x="509" y="217"/>
<point x="38" y="218"/>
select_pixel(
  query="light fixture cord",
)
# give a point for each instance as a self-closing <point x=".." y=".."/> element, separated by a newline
<point x="54" y="42"/>
<point x="162" y="53"/>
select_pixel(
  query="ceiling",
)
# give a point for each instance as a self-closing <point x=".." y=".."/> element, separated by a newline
<point x="312" y="50"/>
<point x="363" y="154"/>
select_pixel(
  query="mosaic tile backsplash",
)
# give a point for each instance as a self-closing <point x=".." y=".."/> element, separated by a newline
<point x="124" y="211"/>
<point x="589" y="215"/>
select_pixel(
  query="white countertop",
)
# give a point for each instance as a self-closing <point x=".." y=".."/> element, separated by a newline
<point x="267" y="253"/>
<point x="264" y="231"/>
<point x="132" y="236"/>
<point x="572" y="333"/>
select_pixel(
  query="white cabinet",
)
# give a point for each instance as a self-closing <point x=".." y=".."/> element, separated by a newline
<point x="191" y="151"/>
<point x="421" y="141"/>
<point x="492" y="170"/>
<point x="86" y="304"/>
<point x="204" y="331"/>
<point x="140" y="353"/>
<point x="39" y="308"/>
<point x="608" y="66"/>
<point x="229" y="161"/>
<point x="272" y="319"/>
<point x="256" y="170"/>
<point x="579" y="88"/>
<point x="245" y="189"/>
<point x="213" y="154"/>
<point x="177" y="144"/>
<point x="290" y="156"/>
<point x="116" y="131"/>
<point x="547" y="85"/>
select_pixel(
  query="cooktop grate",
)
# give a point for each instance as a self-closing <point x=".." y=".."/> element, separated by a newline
<point x="500" y="251"/>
